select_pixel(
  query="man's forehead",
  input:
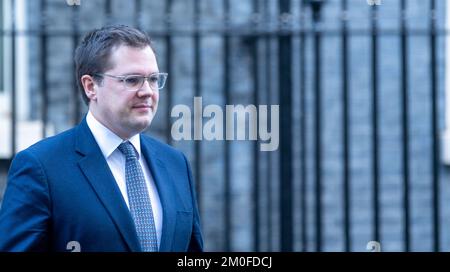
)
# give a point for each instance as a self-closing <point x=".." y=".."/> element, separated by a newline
<point x="124" y="49"/>
<point x="128" y="59"/>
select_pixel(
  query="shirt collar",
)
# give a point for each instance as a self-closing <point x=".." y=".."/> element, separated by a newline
<point x="107" y="140"/>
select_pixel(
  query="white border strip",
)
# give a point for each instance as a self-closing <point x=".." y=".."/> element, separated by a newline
<point x="446" y="133"/>
<point x="23" y="97"/>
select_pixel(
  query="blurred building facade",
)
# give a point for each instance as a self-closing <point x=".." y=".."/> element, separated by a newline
<point x="348" y="180"/>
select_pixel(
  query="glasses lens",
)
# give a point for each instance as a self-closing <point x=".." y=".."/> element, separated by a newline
<point x="134" y="82"/>
<point x="153" y="80"/>
<point x="161" y="80"/>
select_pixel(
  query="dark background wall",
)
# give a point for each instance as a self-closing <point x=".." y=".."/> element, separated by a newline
<point x="250" y="46"/>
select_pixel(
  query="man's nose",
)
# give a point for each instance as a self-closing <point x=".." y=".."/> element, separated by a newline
<point x="146" y="90"/>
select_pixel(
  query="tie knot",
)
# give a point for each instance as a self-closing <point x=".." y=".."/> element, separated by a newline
<point x="127" y="149"/>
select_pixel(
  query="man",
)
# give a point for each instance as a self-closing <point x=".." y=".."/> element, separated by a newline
<point x="102" y="186"/>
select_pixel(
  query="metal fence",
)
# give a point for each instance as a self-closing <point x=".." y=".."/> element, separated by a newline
<point x="259" y="36"/>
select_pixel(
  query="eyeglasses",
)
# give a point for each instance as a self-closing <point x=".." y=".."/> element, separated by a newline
<point x="135" y="82"/>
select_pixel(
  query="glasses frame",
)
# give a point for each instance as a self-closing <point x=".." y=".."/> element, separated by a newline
<point x="125" y="77"/>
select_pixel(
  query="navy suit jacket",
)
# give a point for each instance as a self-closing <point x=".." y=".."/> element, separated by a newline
<point x="61" y="190"/>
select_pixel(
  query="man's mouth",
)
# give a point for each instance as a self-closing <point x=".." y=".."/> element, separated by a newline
<point x="143" y="106"/>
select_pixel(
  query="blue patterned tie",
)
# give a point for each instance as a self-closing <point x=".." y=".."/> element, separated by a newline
<point x="139" y="200"/>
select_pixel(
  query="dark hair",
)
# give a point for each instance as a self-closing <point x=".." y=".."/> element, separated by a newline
<point x="93" y="53"/>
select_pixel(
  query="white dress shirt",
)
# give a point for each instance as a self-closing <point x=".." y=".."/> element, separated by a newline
<point x="108" y="143"/>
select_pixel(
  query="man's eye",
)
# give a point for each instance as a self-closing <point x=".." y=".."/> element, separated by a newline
<point x="133" y="81"/>
<point x="154" y="79"/>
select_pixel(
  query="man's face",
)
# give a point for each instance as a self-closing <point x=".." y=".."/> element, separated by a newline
<point x="126" y="112"/>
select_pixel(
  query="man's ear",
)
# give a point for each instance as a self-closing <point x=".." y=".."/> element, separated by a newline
<point x="89" y="87"/>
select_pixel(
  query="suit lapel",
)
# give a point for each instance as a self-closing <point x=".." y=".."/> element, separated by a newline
<point x="167" y="194"/>
<point x="97" y="172"/>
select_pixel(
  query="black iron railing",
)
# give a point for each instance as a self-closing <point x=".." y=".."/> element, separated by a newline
<point x="259" y="37"/>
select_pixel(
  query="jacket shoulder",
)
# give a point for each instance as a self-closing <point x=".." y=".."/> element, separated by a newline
<point x="49" y="146"/>
<point x="155" y="143"/>
<point x="162" y="149"/>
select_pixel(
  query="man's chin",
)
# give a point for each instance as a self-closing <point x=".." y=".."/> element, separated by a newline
<point x="142" y="122"/>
